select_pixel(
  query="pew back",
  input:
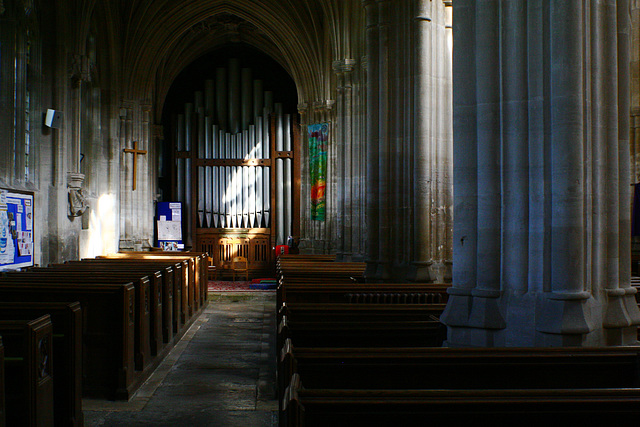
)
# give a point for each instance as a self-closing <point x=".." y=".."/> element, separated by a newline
<point x="108" y="329"/>
<point x="66" y="319"/>
<point x="28" y="371"/>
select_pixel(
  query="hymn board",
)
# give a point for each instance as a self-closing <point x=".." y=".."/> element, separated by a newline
<point x="237" y="169"/>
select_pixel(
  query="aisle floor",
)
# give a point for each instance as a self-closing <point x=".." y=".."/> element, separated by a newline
<point x="222" y="373"/>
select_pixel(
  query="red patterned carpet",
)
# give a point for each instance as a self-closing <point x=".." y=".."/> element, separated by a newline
<point x="239" y="286"/>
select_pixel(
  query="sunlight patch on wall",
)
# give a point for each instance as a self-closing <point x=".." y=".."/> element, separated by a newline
<point x="101" y="237"/>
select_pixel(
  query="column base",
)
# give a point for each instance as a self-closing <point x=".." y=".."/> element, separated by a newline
<point x="566" y="317"/>
<point x="472" y="338"/>
<point x="431" y="271"/>
<point x="457" y="310"/>
<point x="622" y="317"/>
<point x="472" y="321"/>
<point x="485" y="313"/>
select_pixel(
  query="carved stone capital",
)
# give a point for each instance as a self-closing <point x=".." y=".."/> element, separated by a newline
<point x="322" y="106"/>
<point x="157" y="131"/>
<point x="77" y="200"/>
<point x="80" y="69"/>
<point x="346" y="65"/>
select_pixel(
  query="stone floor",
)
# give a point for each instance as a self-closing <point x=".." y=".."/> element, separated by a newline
<point x="222" y="373"/>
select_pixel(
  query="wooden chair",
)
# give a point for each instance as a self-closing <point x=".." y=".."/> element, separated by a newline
<point x="212" y="272"/>
<point x="240" y="266"/>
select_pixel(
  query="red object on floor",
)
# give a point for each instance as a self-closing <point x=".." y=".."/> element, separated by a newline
<point x="281" y="250"/>
<point x="264" y="279"/>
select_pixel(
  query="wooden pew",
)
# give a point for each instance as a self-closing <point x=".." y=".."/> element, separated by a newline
<point x="354" y="311"/>
<point x="307" y="257"/>
<point x="28" y="371"/>
<point x="392" y="293"/>
<point x="144" y="301"/>
<point x="149" y="285"/>
<point x="179" y="278"/>
<point x="188" y="279"/>
<point x="162" y="292"/>
<point x="363" y="332"/>
<point x="307" y="272"/>
<point x="197" y="275"/>
<point x="108" y="335"/>
<point x="3" y="411"/>
<point x="338" y="385"/>
<point x="198" y="262"/>
<point x="66" y="319"/>
<point x="330" y="407"/>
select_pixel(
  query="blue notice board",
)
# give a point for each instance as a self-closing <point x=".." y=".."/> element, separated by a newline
<point x="169" y="226"/>
<point x="16" y="229"/>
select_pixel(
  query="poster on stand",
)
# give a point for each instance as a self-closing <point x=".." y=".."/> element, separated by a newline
<point x="16" y="229"/>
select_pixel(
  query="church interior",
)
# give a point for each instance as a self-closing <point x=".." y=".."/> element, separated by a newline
<point x="447" y="193"/>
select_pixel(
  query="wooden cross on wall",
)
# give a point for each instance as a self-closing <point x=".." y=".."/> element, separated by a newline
<point x="135" y="152"/>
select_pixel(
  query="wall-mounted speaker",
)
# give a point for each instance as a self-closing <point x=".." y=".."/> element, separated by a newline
<point x="53" y="119"/>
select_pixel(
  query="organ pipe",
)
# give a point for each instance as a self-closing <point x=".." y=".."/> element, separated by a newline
<point x="228" y="125"/>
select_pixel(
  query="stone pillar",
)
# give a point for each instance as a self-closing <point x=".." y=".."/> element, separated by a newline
<point x="541" y="171"/>
<point x="373" y="170"/>
<point x="432" y="144"/>
<point x="343" y="142"/>
<point x="126" y="176"/>
<point x="136" y="207"/>
<point x="384" y="141"/>
<point x="305" y="190"/>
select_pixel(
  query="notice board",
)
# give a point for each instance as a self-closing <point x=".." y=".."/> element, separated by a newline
<point x="169" y="226"/>
<point x="16" y="229"/>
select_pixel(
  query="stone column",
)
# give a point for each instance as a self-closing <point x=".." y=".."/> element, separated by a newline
<point x="541" y="172"/>
<point x="373" y="170"/>
<point x="432" y="145"/>
<point x="384" y="141"/>
<point x="126" y="176"/>
<point x="343" y="142"/>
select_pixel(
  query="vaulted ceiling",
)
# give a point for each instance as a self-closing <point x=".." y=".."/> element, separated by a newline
<point x="148" y="43"/>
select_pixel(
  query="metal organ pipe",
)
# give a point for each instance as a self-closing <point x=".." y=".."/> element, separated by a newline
<point x="258" y="99"/>
<point x="201" y="149"/>
<point x="209" y="98"/>
<point x="221" y="98"/>
<point x="215" y="181"/>
<point x="186" y="201"/>
<point x="234" y="96"/>
<point x="230" y="120"/>
<point x="180" y="162"/>
<point x="280" y="202"/>
<point x="208" y="177"/>
<point x="247" y="99"/>
<point x="288" y="178"/>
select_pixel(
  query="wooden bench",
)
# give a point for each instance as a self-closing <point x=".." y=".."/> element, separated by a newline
<point x="173" y="272"/>
<point x="66" y="319"/>
<point x="108" y="335"/>
<point x="28" y="371"/>
<point x="353" y="311"/>
<point x="163" y="290"/>
<point x="3" y="411"/>
<point x="198" y="262"/>
<point x="157" y="309"/>
<point x="197" y="273"/>
<point x="379" y="293"/>
<point x="334" y="407"/>
<point x="314" y="272"/>
<point x="183" y="279"/>
<point x="364" y="332"/>
<point x="337" y="385"/>
<point x="144" y="301"/>
<point x="307" y="257"/>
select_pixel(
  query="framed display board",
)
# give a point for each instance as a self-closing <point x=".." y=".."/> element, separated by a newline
<point x="169" y="226"/>
<point x="16" y="229"/>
